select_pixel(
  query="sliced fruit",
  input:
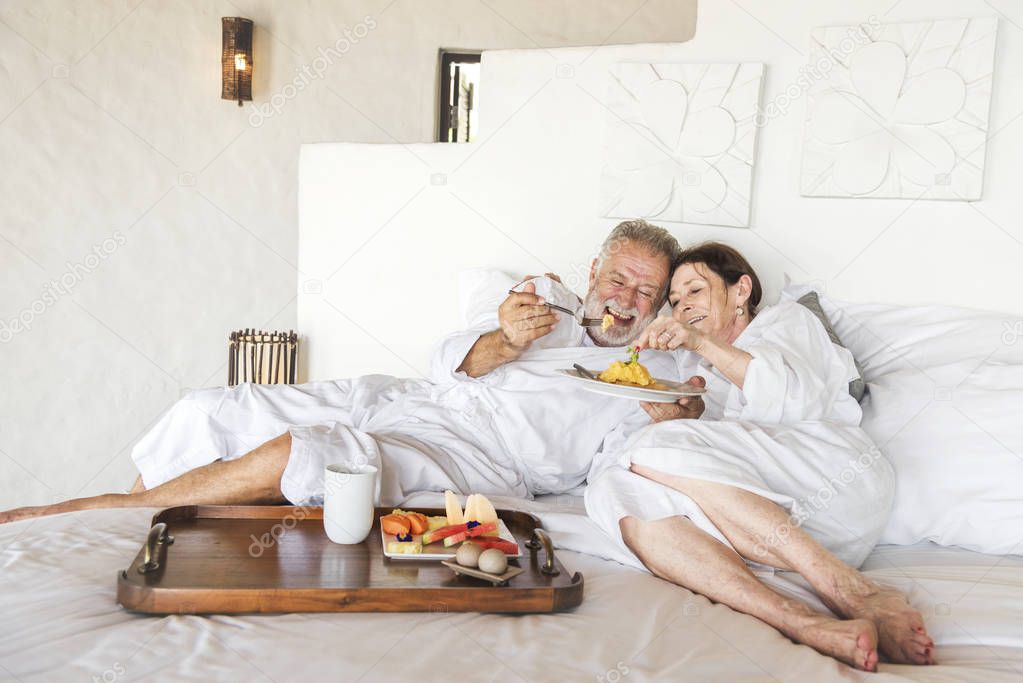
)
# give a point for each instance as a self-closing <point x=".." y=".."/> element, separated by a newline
<point x="435" y="535"/>
<point x="404" y="547"/>
<point x="484" y="509"/>
<point x="437" y="522"/>
<point x="477" y="530"/>
<point x="505" y="546"/>
<point x="470" y="508"/>
<point x="395" y="524"/>
<point x="453" y="508"/>
<point x="418" y="522"/>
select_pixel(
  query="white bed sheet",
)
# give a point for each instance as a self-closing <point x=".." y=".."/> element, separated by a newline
<point x="60" y="622"/>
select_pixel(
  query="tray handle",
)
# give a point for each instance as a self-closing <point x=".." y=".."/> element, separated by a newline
<point x="538" y="540"/>
<point x="158" y="538"/>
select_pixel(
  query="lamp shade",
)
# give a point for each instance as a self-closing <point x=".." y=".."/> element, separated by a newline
<point x="236" y="59"/>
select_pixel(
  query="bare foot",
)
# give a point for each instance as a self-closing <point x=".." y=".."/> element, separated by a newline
<point x="901" y="633"/>
<point x="106" y="500"/>
<point x="853" y="641"/>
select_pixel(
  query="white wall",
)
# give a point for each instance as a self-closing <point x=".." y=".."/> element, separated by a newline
<point x="380" y="244"/>
<point x="111" y="128"/>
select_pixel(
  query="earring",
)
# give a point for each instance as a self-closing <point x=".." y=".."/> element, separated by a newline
<point x="738" y="311"/>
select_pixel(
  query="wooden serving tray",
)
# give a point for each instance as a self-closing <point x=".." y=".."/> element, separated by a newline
<point x="243" y="559"/>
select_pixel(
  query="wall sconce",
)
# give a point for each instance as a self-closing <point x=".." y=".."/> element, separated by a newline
<point x="236" y="59"/>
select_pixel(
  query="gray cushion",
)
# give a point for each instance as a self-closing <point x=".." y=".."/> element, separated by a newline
<point x="857" y="387"/>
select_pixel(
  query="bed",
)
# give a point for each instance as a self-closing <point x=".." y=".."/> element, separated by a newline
<point x="61" y="622"/>
<point x="941" y="386"/>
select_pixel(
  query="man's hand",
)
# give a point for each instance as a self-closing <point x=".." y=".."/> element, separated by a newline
<point x="687" y="407"/>
<point x="524" y="318"/>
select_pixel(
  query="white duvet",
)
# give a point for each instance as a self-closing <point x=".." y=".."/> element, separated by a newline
<point x="60" y="622"/>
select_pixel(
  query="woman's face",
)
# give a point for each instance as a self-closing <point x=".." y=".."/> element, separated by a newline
<point x="700" y="297"/>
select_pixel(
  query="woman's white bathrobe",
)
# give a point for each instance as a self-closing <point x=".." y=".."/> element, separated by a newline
<point x="791" y="435"/>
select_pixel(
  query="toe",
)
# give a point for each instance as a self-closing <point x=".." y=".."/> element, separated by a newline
<point x="921" y="639"/>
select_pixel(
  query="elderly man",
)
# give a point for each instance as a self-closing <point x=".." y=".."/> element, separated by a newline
<point x="495" y="419"/>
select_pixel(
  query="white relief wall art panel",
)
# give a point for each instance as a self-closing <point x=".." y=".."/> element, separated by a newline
<point x="679" y="142"/>
<point x="901" y="110"/>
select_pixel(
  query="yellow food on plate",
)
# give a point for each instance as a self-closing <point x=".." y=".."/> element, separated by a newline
<point x="630" y="372"/>
<point x="607" y="322"/>
<point x="436" y="522"/>
<point x="627" y="373"/>
<point x="404" y="547"/>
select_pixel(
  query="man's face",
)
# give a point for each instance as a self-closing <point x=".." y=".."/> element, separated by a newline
<point x="629" y="285"/>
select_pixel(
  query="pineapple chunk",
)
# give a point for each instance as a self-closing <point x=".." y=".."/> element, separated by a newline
<point x="436" y="522"/>
<point x="404" y="547"/>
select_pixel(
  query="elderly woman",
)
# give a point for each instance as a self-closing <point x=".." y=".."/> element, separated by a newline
<point x="775" y="471"/>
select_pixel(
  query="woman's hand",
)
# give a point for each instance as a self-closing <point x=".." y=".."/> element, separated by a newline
<point x="687" y="407"/>
<point x="667" y="334"/>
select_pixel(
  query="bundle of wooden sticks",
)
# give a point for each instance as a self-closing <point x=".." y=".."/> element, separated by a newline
<point x="261" y="357"/>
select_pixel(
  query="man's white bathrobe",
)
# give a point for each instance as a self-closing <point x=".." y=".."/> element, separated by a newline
<point x="791" y="435"/>
<point x="520" y="430"/>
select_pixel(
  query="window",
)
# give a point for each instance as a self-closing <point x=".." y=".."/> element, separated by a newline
<point x="459" y="93"/>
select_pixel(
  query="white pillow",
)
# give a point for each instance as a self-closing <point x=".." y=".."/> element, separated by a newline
<point x="945" y="396"/>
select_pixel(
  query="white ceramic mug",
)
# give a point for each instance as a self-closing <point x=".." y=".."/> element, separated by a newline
<point x="349" y="495"/>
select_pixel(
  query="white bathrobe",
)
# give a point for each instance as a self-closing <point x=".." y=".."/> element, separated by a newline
<point x="519" y="430"/>
<point x="791" y="435"/>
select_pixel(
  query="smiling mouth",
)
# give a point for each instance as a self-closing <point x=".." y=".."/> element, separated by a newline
<point x="620" y="318"/>
<point x="697" y="319"/>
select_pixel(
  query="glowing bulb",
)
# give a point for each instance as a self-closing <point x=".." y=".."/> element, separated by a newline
<point x="239" y="62"/>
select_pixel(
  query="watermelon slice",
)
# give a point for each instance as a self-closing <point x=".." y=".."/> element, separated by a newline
<point x="477" y="530"/>
<point x="435" y="535"/>
<point x="505" y="546"/>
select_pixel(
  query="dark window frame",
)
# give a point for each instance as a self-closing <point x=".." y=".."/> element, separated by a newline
<point x="444" y="102"/>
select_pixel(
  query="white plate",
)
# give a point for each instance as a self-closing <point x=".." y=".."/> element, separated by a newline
<point x="673" y="392"/>
<point x="438" y="551"/>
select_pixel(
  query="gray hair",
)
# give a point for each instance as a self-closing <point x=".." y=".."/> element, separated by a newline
<point x="656" y="239"/>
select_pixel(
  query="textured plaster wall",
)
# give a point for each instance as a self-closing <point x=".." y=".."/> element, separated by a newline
<point x="142" y="218"/>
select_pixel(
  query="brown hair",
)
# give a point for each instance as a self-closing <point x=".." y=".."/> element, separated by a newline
<point x="725" y="262"/>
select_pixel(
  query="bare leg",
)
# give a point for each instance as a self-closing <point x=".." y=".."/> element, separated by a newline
<point x="253" y="479"/>
<point x="676" y="550"/>
<point x="761" y="531"/>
